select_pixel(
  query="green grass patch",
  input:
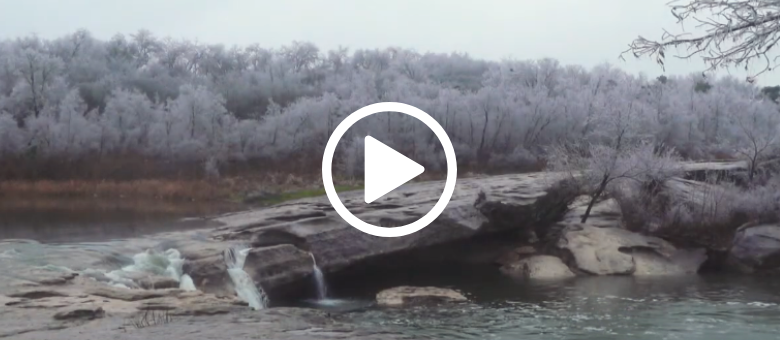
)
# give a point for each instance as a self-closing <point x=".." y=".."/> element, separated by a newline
<point x="299" y="194"/>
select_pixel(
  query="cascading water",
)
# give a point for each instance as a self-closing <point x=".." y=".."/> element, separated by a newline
<point x="168" y="263"/>
<point x="319" y="279"/>
<point x="244" y="285"/>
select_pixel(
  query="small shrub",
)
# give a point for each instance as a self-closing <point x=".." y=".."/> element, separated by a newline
<point x="151" y="318"/>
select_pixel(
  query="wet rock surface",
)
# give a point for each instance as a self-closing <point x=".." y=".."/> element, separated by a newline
<point x="409" y="296"/>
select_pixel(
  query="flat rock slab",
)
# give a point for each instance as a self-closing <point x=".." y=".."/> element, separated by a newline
<point x="124" y="294"/>
<point x="478" y="205"/>
<point x="408" y="295"/>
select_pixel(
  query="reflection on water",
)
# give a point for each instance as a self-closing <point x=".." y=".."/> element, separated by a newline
<point x="91" y="220"/>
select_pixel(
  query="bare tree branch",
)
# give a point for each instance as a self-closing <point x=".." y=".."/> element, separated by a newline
<point x="734" y="33"/>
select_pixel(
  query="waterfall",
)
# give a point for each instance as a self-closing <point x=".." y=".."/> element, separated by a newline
<point x="319" y="279"/>
<point x="244" y="285"/>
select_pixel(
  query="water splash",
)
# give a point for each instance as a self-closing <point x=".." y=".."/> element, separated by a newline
<point x="186" y="283"/>
<point x="9" y="254"/>
<point x="244" y="285"/>
<point x="319" y="279"/>
<point x="168" y="263"/>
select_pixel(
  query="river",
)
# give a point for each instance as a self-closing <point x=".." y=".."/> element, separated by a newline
<point x="697" y="307"/>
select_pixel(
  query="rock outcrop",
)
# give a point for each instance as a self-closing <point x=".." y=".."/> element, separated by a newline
<point x="408" y="295"/>
<point x="286" y="233"/>
<point x="615" y="251"/>
<point x="756" y="248"/>
<point x="601" y="246"/>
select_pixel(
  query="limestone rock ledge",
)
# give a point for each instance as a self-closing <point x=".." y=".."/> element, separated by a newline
<point x="283" y="236"/>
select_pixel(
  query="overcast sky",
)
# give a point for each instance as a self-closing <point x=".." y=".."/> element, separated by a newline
<point x="585" y="32"/>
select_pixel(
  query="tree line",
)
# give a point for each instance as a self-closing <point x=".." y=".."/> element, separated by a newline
<point x="140" y="105"/>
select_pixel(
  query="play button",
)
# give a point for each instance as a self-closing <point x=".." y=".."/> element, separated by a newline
<point x="386" y="169"/>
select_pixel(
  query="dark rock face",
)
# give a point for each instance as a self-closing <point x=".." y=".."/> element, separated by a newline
<point x="719" y="171"/>
<point x="80" y="313"/>
<point x="158" y="282"/>
<point x="756" y="248"/>
<point x="37" y="294"/>
<point x="282" y="236"/>
<point x="273" y="237"/>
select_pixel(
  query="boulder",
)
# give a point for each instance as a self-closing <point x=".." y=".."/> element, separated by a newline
<point x="756" y="248"/>
<point x="538" y="267"/>
<point x="516" y="254"/>
<point x="284" y="235"/>
<point x="408" y="295"/>
<point x="615" y="251"/>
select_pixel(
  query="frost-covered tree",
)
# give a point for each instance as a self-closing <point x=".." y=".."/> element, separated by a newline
<point x="732" y="33"/>
<point x="180" y="103"/>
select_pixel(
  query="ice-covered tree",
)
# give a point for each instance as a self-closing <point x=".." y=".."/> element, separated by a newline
<point x="729" y="33"/>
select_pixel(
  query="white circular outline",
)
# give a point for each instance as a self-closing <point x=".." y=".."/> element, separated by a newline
<point x="327" y="176"/>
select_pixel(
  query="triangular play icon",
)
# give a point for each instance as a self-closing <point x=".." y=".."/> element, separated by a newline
<point x="386" y="169"/>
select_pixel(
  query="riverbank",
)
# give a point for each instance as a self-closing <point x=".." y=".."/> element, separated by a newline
<point x="264" y="189"/>
<point x="513" y="244"/>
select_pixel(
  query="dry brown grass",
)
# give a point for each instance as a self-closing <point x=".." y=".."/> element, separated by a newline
<point x="131" y="176"/>
<point x="159" y="189"/>
<point x="92" y="206"/>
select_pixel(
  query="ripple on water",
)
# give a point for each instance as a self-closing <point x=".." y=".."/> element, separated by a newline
<point x="704" y="310"/>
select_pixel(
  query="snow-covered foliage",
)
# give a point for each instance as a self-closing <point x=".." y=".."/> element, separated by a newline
<point x="77" y="97"/>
